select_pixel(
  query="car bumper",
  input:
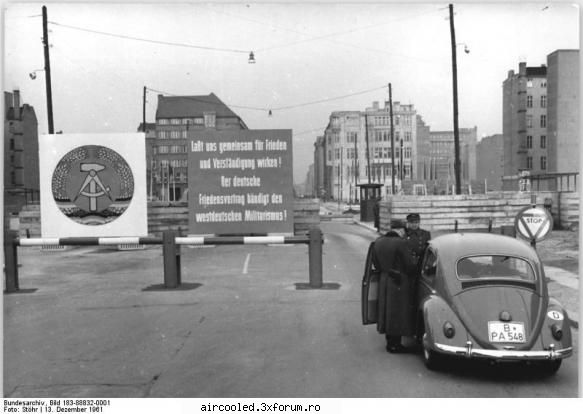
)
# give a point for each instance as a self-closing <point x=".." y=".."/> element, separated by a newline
<point x="504" y="354"/>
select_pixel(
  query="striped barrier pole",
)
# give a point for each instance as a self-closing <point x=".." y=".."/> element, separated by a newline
<point x="315" y="257"/>
<point x="171" y="253"/>
<point x="10" y="261"/>
<point x="171" y="243"/>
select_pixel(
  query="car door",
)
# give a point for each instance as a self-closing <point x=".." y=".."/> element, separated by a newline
<point x="370" y="290"/>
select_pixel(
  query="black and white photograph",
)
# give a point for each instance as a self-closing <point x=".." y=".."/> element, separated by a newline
<point x="289" y="206"/>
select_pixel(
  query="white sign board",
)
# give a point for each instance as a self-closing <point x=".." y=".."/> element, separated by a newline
<point x="93" y="185"/>
<point x="533" y="223"/>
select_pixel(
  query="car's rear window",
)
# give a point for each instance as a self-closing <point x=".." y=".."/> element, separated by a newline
<point x="507" y="267"/>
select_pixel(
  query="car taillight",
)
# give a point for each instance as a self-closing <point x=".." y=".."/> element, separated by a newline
<point x="448" y="330"/>
<point x="557" y="332"/>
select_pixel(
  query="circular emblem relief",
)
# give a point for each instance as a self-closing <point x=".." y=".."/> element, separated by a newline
<point x="93" y="185"/>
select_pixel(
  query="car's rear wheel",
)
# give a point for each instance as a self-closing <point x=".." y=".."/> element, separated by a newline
<point x="550" y="367"/>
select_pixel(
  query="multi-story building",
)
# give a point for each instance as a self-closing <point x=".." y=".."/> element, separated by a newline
<point x="490" y="161"/>
<point x="175" y="116"/>
<point x="150" y="132"/>
<point x="21" y="163"/>
<point x="541" y="120"/>
<point x="320" y="189"/>
<point x="563" y="127"/>
<point x="442" y="157"/>
<point x="524" y="120"/>
<point x="356" y="149"/>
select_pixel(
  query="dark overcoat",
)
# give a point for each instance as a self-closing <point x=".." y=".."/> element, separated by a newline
<point x="396" y="286"/>
<point x="417" y="242"/>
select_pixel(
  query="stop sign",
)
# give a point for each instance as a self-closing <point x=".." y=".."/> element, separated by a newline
<point x="533" y="223"/>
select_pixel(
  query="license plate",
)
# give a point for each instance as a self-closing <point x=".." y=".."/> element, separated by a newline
<point x="506" y="332"/>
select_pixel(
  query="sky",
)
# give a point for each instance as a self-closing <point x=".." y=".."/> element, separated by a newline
<point x="311" y="59"/>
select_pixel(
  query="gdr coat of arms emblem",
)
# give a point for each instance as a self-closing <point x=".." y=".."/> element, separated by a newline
<point x="92" y="185"/>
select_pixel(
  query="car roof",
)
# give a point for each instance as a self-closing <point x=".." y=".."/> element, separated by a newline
<point x="455" y="245"/>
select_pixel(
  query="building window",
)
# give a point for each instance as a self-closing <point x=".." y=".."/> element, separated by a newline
<point x="351" y="137"/>
<point x="199" y="121"/>
<point x="175" y="121"/>
<point x="336" y="138"/>
<point x="543" y="121"/>
<point x="543" y="163"/>
<point x="407" y="136"/>
<point x="543" y="141"/>
<point x="407" y="152"/>
<point x="529" y="121"/>
<point x="529" y="141"/>
<point x="330" y="155"/>
<point x="210" y="120"/>
<point x="529" y="163"/>
<point x="329" y="140"/>
<point x="162" y="134"/>
<point x="12" y="144"/>
<point x="543" y="84"/>
<point x="529" y="83"/>
<point x="529" y="101"/>
<point x="175" y="134"/>
<point x="163" y="121"/>
<point x="184" y="134"/>
<point x="543" y="101"/>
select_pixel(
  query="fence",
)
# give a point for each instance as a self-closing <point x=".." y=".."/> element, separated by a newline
<point x="164" y="216"/>
<point x="478" y="211"/>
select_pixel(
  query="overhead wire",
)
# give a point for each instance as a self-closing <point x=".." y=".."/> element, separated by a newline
<point x="274" y="108"/>
<point x="140" y="39"/>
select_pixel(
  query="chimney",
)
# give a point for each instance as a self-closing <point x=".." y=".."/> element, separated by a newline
<point x="16" y="104"/>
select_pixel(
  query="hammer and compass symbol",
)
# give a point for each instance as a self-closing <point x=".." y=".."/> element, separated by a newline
<point x="92" y="187"/>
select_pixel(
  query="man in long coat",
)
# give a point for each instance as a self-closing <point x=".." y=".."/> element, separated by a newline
<point x="398" y="271"/>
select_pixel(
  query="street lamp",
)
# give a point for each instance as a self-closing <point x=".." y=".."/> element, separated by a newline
<point x="32" y="74"/>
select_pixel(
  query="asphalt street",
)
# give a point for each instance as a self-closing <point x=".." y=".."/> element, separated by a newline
<point x="97" y="322"/>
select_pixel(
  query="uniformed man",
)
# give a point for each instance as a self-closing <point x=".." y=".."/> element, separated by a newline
<point x="417" y="238"/>
<point x="391" y="257"/>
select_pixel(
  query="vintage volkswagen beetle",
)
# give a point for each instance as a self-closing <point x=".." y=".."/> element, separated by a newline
<point x="485" y="296"/>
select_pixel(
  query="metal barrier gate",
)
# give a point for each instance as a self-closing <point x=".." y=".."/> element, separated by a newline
<point x="171" y="242"/>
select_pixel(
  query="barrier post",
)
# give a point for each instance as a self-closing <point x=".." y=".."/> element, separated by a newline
<point x="315" y="257"/>
<point x="11" y="262"/>
<point x="171" y="254"/>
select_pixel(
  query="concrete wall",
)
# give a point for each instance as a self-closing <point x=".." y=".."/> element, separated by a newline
<point x="165" y="216"/>
<point x="474" y="212"/>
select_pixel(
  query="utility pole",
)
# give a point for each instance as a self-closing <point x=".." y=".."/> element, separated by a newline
<point x="456" y="132"/>
<point x="48" y="72"/>
<point x="144" y="111"/>
<point x="367" y="149"/>
<point x="355" y="168"/>
<point x="392" y="141"/>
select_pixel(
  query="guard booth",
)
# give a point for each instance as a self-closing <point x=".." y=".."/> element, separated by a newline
<point x="369" y="196"/>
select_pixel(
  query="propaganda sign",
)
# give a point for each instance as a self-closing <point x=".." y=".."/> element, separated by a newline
<point x="533" y="223"/>
<point x="240" y="182"/>
<point x="94" y="186"/>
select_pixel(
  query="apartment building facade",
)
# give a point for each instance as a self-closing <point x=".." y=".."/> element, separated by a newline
<point x="563" y="123"/>
<point x="21" y="162"/>
<point x="175" y="116"/>
<point x="541" y="120"/>
<point x="357" y="148"/>
<point x="490" y="161"/>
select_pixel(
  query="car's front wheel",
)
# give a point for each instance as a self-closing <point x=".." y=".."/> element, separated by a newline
<point x="431" y="358"/>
